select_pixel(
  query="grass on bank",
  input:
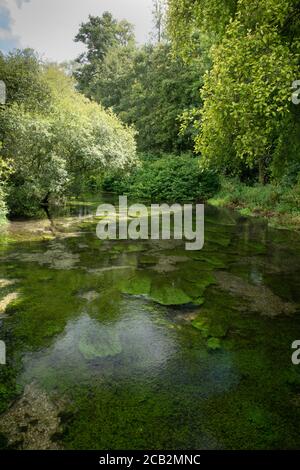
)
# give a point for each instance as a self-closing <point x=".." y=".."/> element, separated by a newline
<point x="279" y="204"/>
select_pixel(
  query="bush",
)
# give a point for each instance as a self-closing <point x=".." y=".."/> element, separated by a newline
<point x="291" y="176"/>
<point x="290" y="200"/>
<point x="22" y="202"/>
<point x="168" y="179"/>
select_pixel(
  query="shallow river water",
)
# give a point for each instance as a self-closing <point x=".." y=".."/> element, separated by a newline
<point x="144" y="345"/>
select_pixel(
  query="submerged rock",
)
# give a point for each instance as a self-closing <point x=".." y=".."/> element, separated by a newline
<point x="161" y="290"/>
<point x="176" y="282"/>
<point x="138" y="284"/>
<point x="32" y="421"/>
<point x="7" y="300"/>
<point x="6" y="282"/>
<point x="262" y="299"/>
<point x="168" y="294"/>
<point x="99" y="344"/>
<point x="56" y="257"/>
<point x="29" y="231"/>
<point x="89" y="296"/>
<point x="186" y="316"/>
<point x="107" y="269"/>
<point x="167" y="264"/>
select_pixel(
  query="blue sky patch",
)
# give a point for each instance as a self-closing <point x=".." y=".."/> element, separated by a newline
<point x="5" y="18"/>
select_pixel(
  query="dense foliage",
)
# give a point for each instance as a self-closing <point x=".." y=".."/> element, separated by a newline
<point x="215" y="83"/>
<point x="102" y="36"/>
<point x="52" y="136"/>
<point x="147" y="86"/>
<point x="168" y="178"/>
<point x="247" y="123"/>
<point x="278" y="202"/>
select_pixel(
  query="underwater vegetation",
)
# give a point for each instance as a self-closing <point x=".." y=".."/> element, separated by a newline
<point x="142" y="344"/>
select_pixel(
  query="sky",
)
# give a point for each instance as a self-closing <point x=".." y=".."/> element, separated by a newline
<point x="49" y="26"/>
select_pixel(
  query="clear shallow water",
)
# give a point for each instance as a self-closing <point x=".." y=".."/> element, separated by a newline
<point x="138" y="345"/>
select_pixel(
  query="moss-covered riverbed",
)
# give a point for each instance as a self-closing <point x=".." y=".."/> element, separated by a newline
<point x="142" y="344"/>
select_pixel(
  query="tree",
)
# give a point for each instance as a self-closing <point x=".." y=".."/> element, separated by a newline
<point x="99" y="35"/>
<point x="160" y="88"/>
<point x="191" y="21"/>
<point x="52" y="150"/>
<point x="24" y="83"/>
<point x="159" y="16"/>
<point x="247" y="93"/>
<point x="147" y="87"/>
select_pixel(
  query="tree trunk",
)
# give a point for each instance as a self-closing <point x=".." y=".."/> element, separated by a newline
<point x="45" y="201"/>
<point x="45" y="206"/>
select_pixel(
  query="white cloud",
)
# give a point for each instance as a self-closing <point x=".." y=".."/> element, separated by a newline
<point x="20" y="2"/>
<point x="49" y="26"/>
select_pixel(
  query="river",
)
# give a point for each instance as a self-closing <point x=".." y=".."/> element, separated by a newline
<point x="144" y="345"/>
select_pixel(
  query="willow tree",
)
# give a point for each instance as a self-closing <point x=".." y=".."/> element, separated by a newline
<point x="53" y="149"/>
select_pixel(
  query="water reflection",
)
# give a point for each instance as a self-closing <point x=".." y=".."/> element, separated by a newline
<point x="134" y="342"/>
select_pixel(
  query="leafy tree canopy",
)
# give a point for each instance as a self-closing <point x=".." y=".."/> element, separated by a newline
<point x="247" y="108"/>
<point x="52" y="148"/>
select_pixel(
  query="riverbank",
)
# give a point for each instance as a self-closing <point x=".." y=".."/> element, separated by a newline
<point x="280" y="206"/>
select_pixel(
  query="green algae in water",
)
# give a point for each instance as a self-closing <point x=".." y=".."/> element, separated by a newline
<point x="202" y="324"/>
<point x="210" y="327"/>
<point x="166" y="294"/>
<point x="178" y="287"/>
<point x="139" y="284"/>
<point x="213" y="343"/>
<point x="95" y="344"/>
<point x="155" y="382"/>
